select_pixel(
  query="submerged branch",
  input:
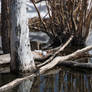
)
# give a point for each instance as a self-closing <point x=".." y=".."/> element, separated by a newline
<point x="37" y="55"/>
<point x="15" y="82"/>
<point x="63" y="60"/>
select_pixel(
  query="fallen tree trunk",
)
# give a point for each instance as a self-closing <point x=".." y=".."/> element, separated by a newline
<point x="15" y="83"/>
<point x="58" y="60"/>
<point x="76" y="65"/>
<point x="4" y="59"/>
<point x="38" y="55"/>
<point x="61" y="49"/>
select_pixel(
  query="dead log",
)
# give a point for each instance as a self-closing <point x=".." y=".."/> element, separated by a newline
<point x="76" y="65"/>
<point x="19" y="80"/>
<point x="58" y="60"/>
<point x="61" y="49"/>
<point x="37" y="55"/>
<point x="15" y="83"/>
<point x="4" y="59"/>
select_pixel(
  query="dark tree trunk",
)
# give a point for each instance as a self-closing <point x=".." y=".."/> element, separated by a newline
<point x="5" y="28"/>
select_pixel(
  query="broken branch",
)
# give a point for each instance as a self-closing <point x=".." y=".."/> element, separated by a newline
<point x="61" y="49"/>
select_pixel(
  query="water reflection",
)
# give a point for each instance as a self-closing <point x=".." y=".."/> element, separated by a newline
<point x="6" y="78"/>
<point x="64" y="81"/>
<point x="25" y="86"/>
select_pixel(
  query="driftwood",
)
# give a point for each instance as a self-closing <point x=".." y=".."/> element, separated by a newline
<point x="4" y="59"/>
<point x="19" y="80"/>
<point x="57" y="60"/>
<point x="15" y="82"/>
<point x="60" y="59"/>
<point x="76" y="65"/>
<point x="61" y="49"/>
<point x="38" y="55"/>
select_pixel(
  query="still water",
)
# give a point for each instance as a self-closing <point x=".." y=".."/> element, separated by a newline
<point x="58" y="80"/>
<point x="62" y="80"/>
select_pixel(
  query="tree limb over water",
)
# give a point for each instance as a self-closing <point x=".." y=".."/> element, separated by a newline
<point x="61" y="60"/>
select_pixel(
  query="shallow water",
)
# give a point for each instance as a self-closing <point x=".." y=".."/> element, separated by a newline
<point x="63" y="80"/>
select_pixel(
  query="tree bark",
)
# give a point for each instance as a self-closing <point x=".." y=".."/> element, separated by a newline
<point x="5" y="28"/>
<point x="21" y="55"/>
<point x="63" y="60"/>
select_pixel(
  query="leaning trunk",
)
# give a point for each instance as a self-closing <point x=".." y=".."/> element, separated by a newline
<point x="21" y="55"/>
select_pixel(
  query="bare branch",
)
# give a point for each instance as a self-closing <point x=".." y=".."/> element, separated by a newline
<point x="15" y="83"/>
<point x="39" y="15"/>
<point x="61" y="49"/>
<point x="63" y="60"/>
<point x="60" y="59"/>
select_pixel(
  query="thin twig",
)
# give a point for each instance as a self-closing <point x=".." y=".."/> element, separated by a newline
<point x="63" y="60"/>
<point x="61" y="49"/>
<point x="39" y="15"/>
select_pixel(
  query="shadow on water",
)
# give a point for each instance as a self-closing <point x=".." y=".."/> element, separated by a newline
<point x="64" y="80"/>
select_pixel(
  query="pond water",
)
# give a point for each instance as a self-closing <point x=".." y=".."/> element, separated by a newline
<point x="58" y="80"/>
<point x="61" y="79"/>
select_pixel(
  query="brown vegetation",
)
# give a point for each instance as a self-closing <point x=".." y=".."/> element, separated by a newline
<point x="69" y="21"/>
<point x="66" y="17"/>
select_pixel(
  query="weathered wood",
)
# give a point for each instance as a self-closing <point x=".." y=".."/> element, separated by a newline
<point x="61" y="49"/>
<point x="37" y="55"/>
<point x="15" y="82"/>
<point x="65" y="63"/>
<point x="60" y="59"/>
<point x="21" y="55"/>
<point x="25" y="86"/>
<point x="76" y="65"/>
<point x="63" y="60"/>
<point x="19" y="80"/>
<point x="4" y="59"/>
